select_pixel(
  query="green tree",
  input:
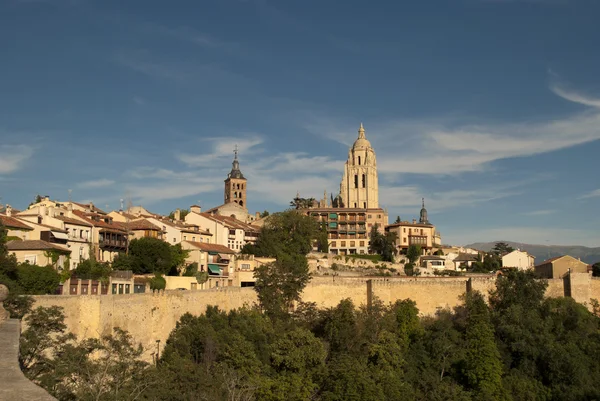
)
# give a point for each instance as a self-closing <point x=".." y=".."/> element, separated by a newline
<point x="182" y="214"/>
<point x="398" y="220"/>
<point x="413" y="253"/>
<point x="382" y="244"/>
<point x="288" y="232"/>
<point x="8" y="263"/>
<point x="483" y="366"/>
<point x="264" y="214"/>
<point x="280" y="283"/>
<point x="150" y="255"/>
<point x="92" y="269"/>
<point x="322" y="239"/>
<point x="596" y="269"/>
<point x="123" y="261"/>
<point x="178" y="258"/>
<point x="501" y="249"/>
<point x="158" y="282"/>
<point x="37" y="280"/>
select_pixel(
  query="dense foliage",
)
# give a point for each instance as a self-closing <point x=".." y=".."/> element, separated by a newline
<point x="382" y="244"/>
<point x="520" y="346"/>
<point x="152" y="255"/>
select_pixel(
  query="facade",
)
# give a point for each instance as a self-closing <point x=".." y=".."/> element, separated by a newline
<point x="559" y="266"/>
<point x="421" y="233"/>
<point x="464" y="261"/>
<point x="348" y="229"/>
<point x="212" y="258"/>
<point x="15" y="227"/>
<point x="242" y="269"/>
<point x="38" y="252"/>
<point x="434" y="262"/>
<point x="518" y="259"/>
<point x="360" y="187"/>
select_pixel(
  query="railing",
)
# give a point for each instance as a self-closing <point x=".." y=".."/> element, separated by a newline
<point x="113" y="242"/>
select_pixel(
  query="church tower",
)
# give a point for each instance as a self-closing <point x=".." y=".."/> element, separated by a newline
<point x="360" y="187"/>
<point x="235" y="184"/>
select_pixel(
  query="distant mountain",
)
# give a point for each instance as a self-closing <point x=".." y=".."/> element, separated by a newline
<point x="543" y="252"/>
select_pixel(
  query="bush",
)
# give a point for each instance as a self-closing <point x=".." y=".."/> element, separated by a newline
<point x="158" y="282"/>
<point x="37" y="280"/>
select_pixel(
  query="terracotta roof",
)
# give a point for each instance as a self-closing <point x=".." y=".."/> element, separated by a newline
<point x="188" y="228"/>
<point x="11" y="222"/>
<point x="142" y="224"/>
<point x="102" y="224"/>
<point x="465" y="257"/>
<point x="70" y="220"/>
<point x="52" y="228"/>
<point x="87" y="206"/>
<point x="211" y="247"/>
<point x="551" y="260"/>
<point x="34" y="245"/>
<point x="230" y="222"/>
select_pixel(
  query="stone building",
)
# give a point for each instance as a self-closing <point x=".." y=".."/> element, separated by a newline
<point x="559" y="266"/>
<point x="350" y="216"/>
<point x="421" y="233"/>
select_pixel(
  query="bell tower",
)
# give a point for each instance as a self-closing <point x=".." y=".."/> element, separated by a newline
<point x="359" y="188"/>
<point x="235" y="184"/>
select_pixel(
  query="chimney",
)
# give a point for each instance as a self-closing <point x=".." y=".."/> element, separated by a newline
<point x="257" y="214"/>
<point x="414" y="221"/>
<point x="91" y="207"/>
<point x="8" y="210"/>
<point x="177" y="214"/>
<point x="195" y="209"/>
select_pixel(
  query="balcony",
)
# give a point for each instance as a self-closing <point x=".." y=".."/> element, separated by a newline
<point x="113" y="243"/>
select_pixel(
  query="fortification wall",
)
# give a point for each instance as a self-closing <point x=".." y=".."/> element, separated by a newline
<point x="328" y="291"/>
<point x="148" y="317"/>
<point x="555" y="288"/>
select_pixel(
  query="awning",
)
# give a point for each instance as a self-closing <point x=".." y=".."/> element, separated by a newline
<point x="214" y="269"/>
<point x="59" y="235"/>
<point x="333" y="215"/>
<point x="224" y="256"/>
<point x="333" y="225"/>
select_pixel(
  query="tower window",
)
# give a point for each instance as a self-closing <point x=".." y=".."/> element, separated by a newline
<point x="364" y="205"/>
<point x="359" y="160"/>
<point x="364" y="180"/>
<point x="355" y="180"/>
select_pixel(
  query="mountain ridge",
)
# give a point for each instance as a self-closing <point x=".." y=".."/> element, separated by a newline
<point x="544" y="252"/>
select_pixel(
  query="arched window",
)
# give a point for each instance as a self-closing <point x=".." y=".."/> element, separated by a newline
<point x="355" y="180"/>
<point x="235" y="194"/>
<point x="241" y="203"/>
<point x="364" y="181"/>
<point x="359" y="160"/>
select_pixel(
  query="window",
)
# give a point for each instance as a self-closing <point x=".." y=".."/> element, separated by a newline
<point x="355" y="180"/>
<point x="245" y="266"/>
<point x="185" y="237"/>
<point x="359" y="160"/>
<point x="364" y="205"/>
<point x="352" y="243"/>
<point x="80" y="252"/>
<point x="194" y="239"/>
<point x="333" y="244"/>
<point x="75" y="233"/>
<point x="404" y="229"/>
<point x="343" y="243"/>
<point x="421" y="231"/>
<point x="126" y="288"/>
<point x="362" y="243"/>
<point x="364" y="181"/>
<point x="405" y="240"/>
<point x="370" y="216"/>
<point x="378" y="216"/>
<point x="174" y="240"/>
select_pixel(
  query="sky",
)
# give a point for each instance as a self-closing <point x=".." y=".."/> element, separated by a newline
<point x="489" y="109"/>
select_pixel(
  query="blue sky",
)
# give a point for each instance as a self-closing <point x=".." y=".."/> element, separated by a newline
<point x="490" y="109"/>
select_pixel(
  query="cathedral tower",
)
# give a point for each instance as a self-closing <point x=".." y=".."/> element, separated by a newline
<point x="235" y="184"/>
<point x="360" y="187"/>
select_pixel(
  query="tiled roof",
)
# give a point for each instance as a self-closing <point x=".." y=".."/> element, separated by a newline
<point x="142" y="224"/>
<point x="102" y="224"/>
<point x="70" y="220"/>
<point x="211" y="247"/>
<point x="52" y="228"/>
<point x="187" y="228"/>
<point x="11" y="222"/>
<point x="465" y="257"/>
<point x="34" y="245"/>
<point x="551" y="260"/>
<point x="230" y="222"/>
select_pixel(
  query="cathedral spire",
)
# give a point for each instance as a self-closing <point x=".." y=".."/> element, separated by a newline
<point x="361" y="132"/>
<point x="235" y="166"/>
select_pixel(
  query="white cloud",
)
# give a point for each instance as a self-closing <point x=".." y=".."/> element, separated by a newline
<point x="100" y="183"/>
<point x="221" y="149"/>
<point x="592" y="194"/>
<point x="449" y="146"/>
<point x="12" y="157"/>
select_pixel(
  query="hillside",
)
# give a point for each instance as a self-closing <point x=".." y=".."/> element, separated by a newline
<point x="543" y="252"/>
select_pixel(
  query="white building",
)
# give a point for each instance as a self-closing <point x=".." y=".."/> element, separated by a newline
<point x="518" y="259"/>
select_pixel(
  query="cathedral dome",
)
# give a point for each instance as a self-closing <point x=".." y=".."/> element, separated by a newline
<point x="361" y="142"/>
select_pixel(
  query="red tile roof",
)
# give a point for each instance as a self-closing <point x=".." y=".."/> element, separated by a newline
<point x="551" y="260"/>
<point x="70" y="220"/>
<point x="211" y="247"/>
<point x="102" y="224"/>
<point x="11" y="222"/>
<point x="230" y="222"/>
<point x="34" y="245"/>
<point x="135" y="225"/>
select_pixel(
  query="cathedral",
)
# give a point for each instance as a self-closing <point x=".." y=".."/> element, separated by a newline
<point x="351" y="215"/>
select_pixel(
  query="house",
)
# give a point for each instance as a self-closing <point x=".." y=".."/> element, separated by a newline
<point x="176" y="231"/>
<point x="464" y="261"/>
<point x="16" y="228"/>
<point x="108" y="237"/>
<point x="38" y="252"/>
<point x="242" y="269"/>
<point x="557" y="267"/>
<point x="225" y="230"/>
<point x="518" y="259"/>
<point x="421" y="233"/>
<point x="433" y="262"/>
<point x="211" y="258"/>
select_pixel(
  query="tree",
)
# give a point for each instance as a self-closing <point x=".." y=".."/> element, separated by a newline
<point x="264" y="214"/>
<point x="398" y="220"/>
<point x="323" y="239"/>
<point x="92" y="269"/>
<point x="158" y="282"/>
<point x="37" y="280"/>
<point x="280" y="283"/>
<point x="382" y="244"/>
<point x="302" y="203"/>
<point x="413" y="253"/>
<point x="483" y="366"/>
<point x="150" y="255"/>
<point x="178" y="258"/>
<point x="501" y="249"/>
<point x="288" y="232"/>
<point x="596" y="269"/>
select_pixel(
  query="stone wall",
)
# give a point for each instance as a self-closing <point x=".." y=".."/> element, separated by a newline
<point x="151" y="316"/>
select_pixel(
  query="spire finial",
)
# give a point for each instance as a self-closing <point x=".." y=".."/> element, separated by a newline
<point x="235" y="151"/>
<point x="423" y="201"/>
<point x="361" y="131"/>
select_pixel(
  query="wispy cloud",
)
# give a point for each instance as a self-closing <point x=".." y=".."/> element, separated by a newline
<point x="100" y="183"/>
<point x="12" y="157"/>
<point x="540" y="212"/>
<point x="593" y="194"/>
<point x="447" y="146"/>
